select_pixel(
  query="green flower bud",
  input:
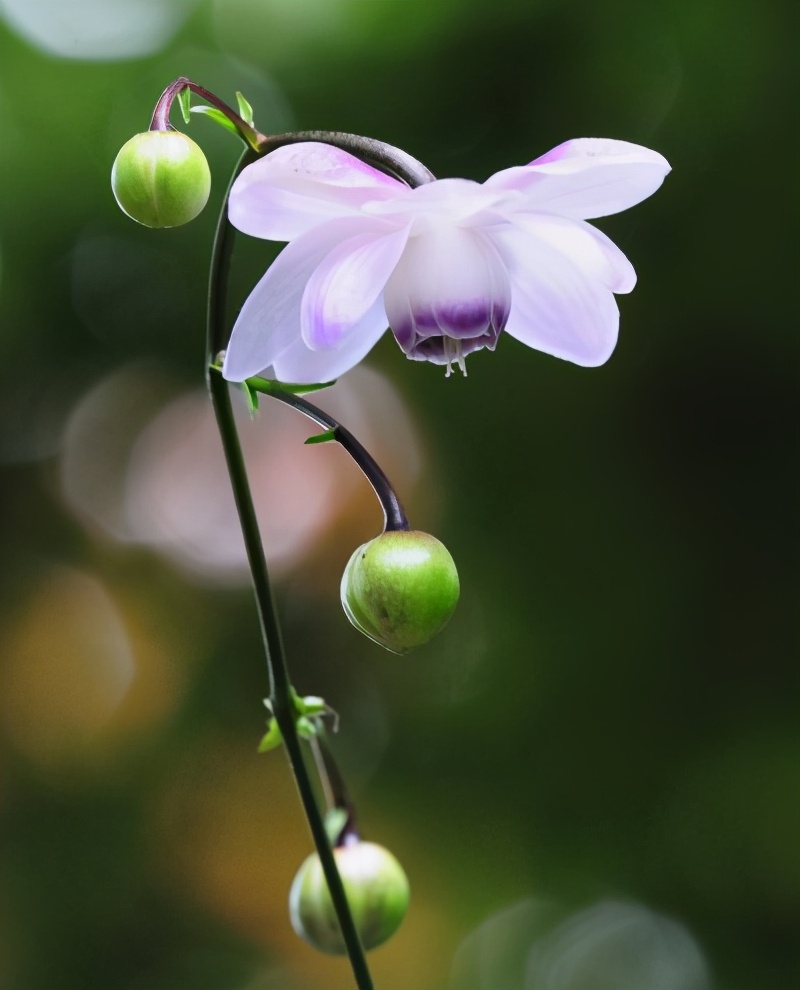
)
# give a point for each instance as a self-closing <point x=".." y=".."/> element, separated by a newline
<point x="377" y="892"/>
<point x="400" y="589"/>
<point x="161" y="178"/>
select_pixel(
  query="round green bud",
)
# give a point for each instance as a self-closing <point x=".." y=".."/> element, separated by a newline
<point x="161" y="178"/>
<point x="377" y="892"/>
<point x="400" y="589"/>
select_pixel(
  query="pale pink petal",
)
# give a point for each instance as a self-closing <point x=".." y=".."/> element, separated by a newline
<point x="579" y="149"/>
<point x="585" y="178"/>
<point x="269" y="321"/>
<point x="458" y="201"/>
<point x="556" y="307"/>
<point x="588" y="248"/>
<point x="346" y="283"/>
<point x="297" y="187"/>
<point x="298" y="363"/>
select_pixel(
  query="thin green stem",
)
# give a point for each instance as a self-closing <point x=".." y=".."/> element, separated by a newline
<point x="221" y="255"/>
<point x="280" y="685"/>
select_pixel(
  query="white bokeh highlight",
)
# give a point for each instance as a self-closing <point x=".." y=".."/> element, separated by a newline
<point x="611" y="945"/>
<point x="97" y="30"/>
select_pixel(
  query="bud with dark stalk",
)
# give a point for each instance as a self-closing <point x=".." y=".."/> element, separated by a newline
<point x="377" y="893"/>
<point x="400" y="589"/>
<point x="161" y="178"/>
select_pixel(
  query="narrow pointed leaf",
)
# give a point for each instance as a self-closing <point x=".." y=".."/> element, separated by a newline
<point x="272" y="739"/>
<point x="335" y="821"/>
<point x="218" y="116"/>
<point x="245" y="110"/>
<point x="185" y="103"/>
<point x="306" y="727"/>
<point x="325" y="437"/>
<point x="251" y="398"/>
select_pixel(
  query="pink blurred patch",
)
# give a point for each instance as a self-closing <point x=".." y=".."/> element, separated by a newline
<point x="153" y="473"/>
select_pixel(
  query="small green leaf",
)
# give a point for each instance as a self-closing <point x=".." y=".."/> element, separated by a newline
<point x="306" y="727"/>
<point x="272" y="739"/>
<point x="315" y="708"/>
<point x="325" y="437"/>
<point x="185" y="103"/>
<point x="218" y="116"/>
<point x="335" y="821"/>
<point x="312" y="705"/>
<point x="245" y="110"/>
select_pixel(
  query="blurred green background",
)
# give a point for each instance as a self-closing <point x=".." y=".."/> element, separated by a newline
<point x="591" y="777"/>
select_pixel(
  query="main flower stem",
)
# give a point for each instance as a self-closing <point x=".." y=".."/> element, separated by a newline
<point x="280" y="685"/>
<point x="406" y="168"/>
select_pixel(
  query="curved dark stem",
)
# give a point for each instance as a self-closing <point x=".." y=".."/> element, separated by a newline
<point x="393" y="514"/>
<point x="280" y="685"/>
<point x="160" y="119"/>
<point x="336" y="791"/>
<point x="383" y="156"/>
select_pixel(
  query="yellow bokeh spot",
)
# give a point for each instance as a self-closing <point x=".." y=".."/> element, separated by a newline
<point x="80" y="673"/>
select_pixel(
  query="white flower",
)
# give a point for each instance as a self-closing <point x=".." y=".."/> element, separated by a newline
<point x="448" y="265"/>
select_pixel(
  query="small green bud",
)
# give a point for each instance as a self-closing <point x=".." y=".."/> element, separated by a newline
<point x="400" y="589"/>
<point x="161" y="178"/>
<point x="377" y="892"/>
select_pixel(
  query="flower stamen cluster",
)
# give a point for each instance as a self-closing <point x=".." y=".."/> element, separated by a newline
<point x="454" y="351"/>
